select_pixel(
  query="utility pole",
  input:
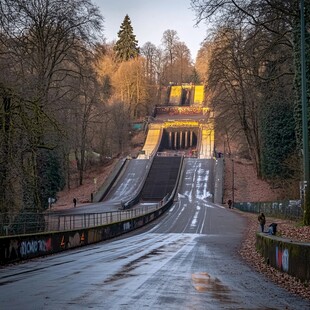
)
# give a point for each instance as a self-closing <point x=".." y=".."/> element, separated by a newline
<point x="304" y="94"/>
<point x="304" y="113"/>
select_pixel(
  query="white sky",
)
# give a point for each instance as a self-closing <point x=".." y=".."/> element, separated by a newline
<point x="150" y="18"/>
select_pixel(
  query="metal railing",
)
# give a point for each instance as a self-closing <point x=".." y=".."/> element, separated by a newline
<point x="14" y="224"/>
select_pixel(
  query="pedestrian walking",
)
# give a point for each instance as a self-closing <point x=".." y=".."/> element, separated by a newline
<point x="74" y="202"/>
<point x="229" y="203"/>
<point x="262" y="221"/>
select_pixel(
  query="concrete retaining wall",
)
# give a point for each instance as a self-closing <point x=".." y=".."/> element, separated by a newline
<point x="22" y="247"/>
<point x="104" y="189"/>
<point x="290" y="257"/>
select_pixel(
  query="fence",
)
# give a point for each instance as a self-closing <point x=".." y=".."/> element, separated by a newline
<point x="286" y="209"/>
<point x="27" y="222"/>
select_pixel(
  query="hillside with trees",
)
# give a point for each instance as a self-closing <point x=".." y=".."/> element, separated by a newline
<point x="250" y="64"/>
<point x="69" y="98"/>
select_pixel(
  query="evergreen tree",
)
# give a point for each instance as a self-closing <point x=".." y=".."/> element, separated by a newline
<point x="278" y="138"/>
<point x="126" y="47"/>
<point x="52" y="179"/>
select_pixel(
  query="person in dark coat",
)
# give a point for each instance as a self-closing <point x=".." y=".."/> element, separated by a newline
<point x="262" y="221"/>
<point x="74" y="202"/>
<point x="272" y="230"/>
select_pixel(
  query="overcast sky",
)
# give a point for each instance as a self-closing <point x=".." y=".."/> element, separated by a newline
<point x="150" y="18"/>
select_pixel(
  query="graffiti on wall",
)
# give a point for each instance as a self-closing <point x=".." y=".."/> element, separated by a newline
<point x="282" y="259"/>
<point x="94" y="235"/>
<point x="35" y="246"/>
<point x="126" y="226"/>
<point x="26" y="248"/>
<point x="12" y="251"/>
<point x="72" y="241"/>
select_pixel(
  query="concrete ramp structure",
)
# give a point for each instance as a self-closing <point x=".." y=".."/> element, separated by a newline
<point x="175" y="95"/>
<point x="152" y="141"/>
<point x="180" y="131"/>
<point x="186" y="95"/>
<point x="177" y="156"/>
<point x="206" y="141"/>
<point x="198" y="95"/>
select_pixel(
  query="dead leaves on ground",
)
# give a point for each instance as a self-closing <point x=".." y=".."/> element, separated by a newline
<point x="287" y="229"/>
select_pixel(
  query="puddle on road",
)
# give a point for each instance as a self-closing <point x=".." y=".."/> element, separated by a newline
<point x="203" y="282"/>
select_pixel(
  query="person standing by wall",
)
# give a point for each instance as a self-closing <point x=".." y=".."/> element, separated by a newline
<point x="74" y="202"/>
<point x="262" y="221"/>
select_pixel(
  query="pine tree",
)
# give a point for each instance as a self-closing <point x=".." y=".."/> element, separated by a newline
<point x="126" y="47"/>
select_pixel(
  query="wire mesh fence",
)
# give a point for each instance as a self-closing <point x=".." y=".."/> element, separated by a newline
<point x="290" y="209"/>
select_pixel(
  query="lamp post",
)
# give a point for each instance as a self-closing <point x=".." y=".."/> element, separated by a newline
<point x="306" y="203"/>
<point x="304" y="95"/>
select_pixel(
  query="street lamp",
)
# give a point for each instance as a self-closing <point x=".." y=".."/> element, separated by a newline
<point x="304" y="95"/>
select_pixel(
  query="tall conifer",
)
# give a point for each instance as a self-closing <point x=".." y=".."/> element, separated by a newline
<point x="126" y="47"/>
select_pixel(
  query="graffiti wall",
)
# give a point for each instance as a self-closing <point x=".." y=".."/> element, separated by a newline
<point x="13" y="249"/>
<point x="290" y="257"/>
<point x="16" y="248"/>
<point x="282" y="259"/>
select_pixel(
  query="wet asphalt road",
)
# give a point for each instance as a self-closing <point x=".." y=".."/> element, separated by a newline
<point x="185" y="260"/>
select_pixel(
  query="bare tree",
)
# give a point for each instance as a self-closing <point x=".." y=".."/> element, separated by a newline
<point x="43" y="41"/>
<point x="131" y="87"/>
<point x="251" y="36"/>
<point x="149" y="51"/>
<point x="233" y="82"/>
<point x="183" y="64"/>
<point x="169" y="40"/>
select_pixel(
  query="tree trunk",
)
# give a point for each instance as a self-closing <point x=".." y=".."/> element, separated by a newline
<point x="5" y="128"/>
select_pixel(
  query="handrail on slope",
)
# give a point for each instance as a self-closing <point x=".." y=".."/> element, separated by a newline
<point x="177" y="183"/>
